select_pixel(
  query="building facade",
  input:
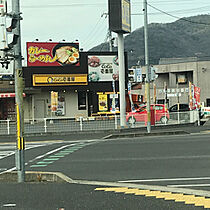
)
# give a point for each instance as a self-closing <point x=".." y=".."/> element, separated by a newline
<point x="174" y="74"/>
<point x="83" y="90"/>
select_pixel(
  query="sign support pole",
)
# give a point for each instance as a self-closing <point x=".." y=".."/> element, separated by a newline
<point x="121" y="79"/>
<point x="19" y="86"/>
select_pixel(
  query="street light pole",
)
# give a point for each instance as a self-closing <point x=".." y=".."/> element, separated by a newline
<point x="19" y="86"/>
<point x="147" y="85"/>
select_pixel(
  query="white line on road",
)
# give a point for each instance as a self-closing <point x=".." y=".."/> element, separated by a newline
<point x="39" y="157"/>
<point x="50" y="152"/>
<point x="9" y="205"/>
<point x="145" y="158"/>
<point x="189" y="185"/>
<point x="165" y="180"/>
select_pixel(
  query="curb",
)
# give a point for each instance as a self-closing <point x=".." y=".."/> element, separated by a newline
<point x="49" y="177"/>
<point x="162" y="133"/>
<point x="35" y="177"/>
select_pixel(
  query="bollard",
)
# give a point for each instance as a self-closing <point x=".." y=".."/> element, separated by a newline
<point x="80" y="120"/>
<point x="45" y="125"/>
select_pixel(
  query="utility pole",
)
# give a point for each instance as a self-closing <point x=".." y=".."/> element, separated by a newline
<point x="19" y="86"/>
<point x="147" y="85"/>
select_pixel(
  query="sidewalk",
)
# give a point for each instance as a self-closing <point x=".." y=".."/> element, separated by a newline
<point x="106" y="134"/>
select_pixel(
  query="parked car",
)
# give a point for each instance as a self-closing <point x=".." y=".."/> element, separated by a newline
<point x="161" y="114"/>
<point x="182" y="108"/>
<point x="182" y="113"/>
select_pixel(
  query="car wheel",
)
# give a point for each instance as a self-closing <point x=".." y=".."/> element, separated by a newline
<point x="131" y="120"/>
<point x="164" y="120"/>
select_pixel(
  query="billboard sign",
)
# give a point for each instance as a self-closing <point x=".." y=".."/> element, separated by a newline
<point x="7" y="68"/>
<point x="103" y="68"/>
<point x="59" y="79"/>
<point x="52" y="54"/>
<point x="138" y="75"/>
<point x="120" y="16"/>
<point x="102" y="102"/>
<point x="54" y="101"/>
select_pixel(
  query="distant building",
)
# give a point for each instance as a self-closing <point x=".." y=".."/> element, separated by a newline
<point x="176" y="73"/>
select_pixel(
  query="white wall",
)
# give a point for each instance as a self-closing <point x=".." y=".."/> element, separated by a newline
<point x="39" y="108"/>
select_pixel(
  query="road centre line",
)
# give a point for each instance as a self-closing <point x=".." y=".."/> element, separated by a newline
<point x="164" y="180"/>
<point x="145" y="158"/>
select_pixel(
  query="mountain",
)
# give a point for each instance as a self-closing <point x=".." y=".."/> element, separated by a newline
<point x="186" y="37"/>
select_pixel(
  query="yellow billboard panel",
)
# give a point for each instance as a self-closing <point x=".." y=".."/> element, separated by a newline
<point x="126" y="16"/>
<point x="102" y="102"/>
<point x="54" y="101"/>
<point x="59" y="79"/>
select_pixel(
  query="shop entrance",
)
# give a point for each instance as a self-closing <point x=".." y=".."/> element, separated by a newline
<point x="39" y="110"/>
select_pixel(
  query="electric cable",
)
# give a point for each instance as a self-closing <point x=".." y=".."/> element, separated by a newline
<point x="93" y="30"/>
<point x="184" y="19"/>
<point x="93" y="38"/>
<point x="206" y="8"/>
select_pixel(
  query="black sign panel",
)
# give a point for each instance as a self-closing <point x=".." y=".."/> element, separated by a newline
<point x="120" y="16"/>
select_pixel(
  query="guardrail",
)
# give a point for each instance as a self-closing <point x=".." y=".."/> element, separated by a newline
<point x="59" y="125"/>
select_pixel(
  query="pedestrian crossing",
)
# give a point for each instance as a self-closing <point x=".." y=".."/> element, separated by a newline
<point x="8" y="149"/>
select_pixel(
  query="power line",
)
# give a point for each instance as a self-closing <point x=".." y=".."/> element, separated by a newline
<point x="184" y="11"/>
<point x="95" y="4"/>
<point x="95" y="35"/>
<point x="93" y="29"/>
<point x="184" y="19"/>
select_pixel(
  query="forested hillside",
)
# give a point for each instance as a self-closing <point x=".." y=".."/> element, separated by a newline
<point x="182" y="38"/>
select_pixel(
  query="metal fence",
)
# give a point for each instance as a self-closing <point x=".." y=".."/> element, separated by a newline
<point x="59" y="125"/>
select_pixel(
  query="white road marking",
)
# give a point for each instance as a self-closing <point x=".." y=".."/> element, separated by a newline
<point x="165" y="180"/>
<point x="73" y="143"/>
<point x="6" y="153"/>
<point x="50" y="152"/>
<point x="9" y="205"/>
<point x="189" y="185"/>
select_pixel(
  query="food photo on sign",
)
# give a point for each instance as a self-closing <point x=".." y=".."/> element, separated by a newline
<point x="52" y="54"/>
<point x="103" y="68"/>
<point x="102" y="103"/>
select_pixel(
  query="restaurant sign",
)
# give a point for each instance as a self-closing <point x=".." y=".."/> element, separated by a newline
<point x="52" y="54"/>
<point x="103" y="68"/>
<point x="59" y="79"/>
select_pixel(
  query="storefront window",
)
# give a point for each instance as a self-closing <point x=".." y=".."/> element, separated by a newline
<point x="81" y="100"/>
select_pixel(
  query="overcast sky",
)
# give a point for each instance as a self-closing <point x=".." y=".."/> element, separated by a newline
<point x="83" y="19"/>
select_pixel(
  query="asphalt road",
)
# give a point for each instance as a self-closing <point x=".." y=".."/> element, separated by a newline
<point x="147" y="159"/>
<point x="171" y="161"/>
<point x="78" y="197"/>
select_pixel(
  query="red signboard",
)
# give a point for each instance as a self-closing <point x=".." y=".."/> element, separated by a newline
<point x="52" y="54"/>
<point x="9" y="95"/>
<point x="197" y="92"/>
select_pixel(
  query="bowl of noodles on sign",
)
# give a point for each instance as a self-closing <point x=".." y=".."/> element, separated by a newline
<point x="94" y="62"/>
<point x="66" y="54"/>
